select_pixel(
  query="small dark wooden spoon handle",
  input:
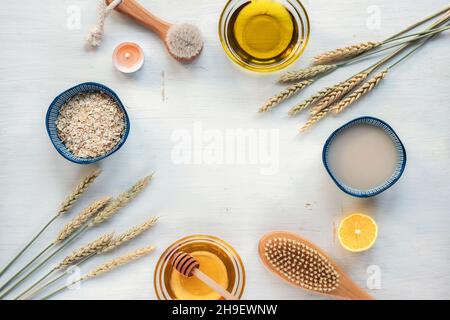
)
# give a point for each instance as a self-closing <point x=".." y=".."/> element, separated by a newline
<point x="136" y="11"/>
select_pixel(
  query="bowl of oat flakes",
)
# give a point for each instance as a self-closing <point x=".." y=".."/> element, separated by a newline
<point x="87" y="123"/>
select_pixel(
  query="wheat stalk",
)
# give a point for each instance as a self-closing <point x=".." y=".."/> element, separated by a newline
<point x="316" y="118"/>
<point x="77" y="192"/>
<point x="363" y="90"/>
<point x="310" y="101"/>
<point x="115" y="263"/>
<point x="82" y="255"/>
<point x="64" y="207"/>
<point x="339" y="91"/>
<point x="88" y="250"/>
<point x="285" y="94"/>
<point x="76" y="257"/>
<point x="105" y="214"/>
<point x="130" y="234"/>
<point x="82" y="218"/>
<point x="345" y="53"/>
<point x="107" y="267"/>
<point x="121" y="200"/>
<point x="321" y="94"/>
<point x="307" y="73"/>
<point x="336" y="92"/>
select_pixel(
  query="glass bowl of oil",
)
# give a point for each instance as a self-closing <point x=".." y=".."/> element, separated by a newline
<point x="217" y="259"/>
<point x="264" y="35"/>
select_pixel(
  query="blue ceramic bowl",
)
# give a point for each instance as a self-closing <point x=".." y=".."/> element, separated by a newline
<point x="53" y="112"/>
<point x="400" y="167"/>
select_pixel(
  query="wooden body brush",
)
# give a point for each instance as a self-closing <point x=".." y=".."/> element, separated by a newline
<point x="188" y="266"/>
<point x="302" y="264"/>
<point x="183" y="41"/>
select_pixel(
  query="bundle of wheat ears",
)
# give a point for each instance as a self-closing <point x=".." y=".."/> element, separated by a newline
<point x="336" y="98"/>
<point x="95" y="214"/>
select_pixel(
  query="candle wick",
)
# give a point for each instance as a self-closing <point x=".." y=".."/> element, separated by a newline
<point x="127" y="55"/>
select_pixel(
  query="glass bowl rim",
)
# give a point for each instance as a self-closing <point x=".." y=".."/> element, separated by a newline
<point x="240" y="276"/>
<point x="279" y="66"/>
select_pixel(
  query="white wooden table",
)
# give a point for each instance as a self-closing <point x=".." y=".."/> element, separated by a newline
<point x="43" y="53"/>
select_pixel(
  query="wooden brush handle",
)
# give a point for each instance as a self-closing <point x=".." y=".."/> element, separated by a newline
<point x="363" y="296"/>
<point x="136" y="11"/>
<point x="213" y="285"/>
<point x="350" y="290"/>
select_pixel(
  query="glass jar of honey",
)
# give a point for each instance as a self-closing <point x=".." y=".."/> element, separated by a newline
<point x="217" y="259"/>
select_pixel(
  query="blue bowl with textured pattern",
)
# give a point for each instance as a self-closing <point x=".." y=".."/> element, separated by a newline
<point x="401" y="156"/>
<point x="53" y="113"/>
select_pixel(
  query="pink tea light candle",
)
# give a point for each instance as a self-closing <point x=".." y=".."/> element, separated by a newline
<point x="128" y="57"/>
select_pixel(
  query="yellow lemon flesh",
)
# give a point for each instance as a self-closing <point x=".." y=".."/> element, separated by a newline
<point x="357" y="232"/>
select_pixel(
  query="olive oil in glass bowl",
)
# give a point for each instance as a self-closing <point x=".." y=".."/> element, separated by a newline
<point x="264" y="35"/>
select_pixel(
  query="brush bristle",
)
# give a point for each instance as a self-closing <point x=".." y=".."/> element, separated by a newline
<point x="184" y="41"/>
<point x="301" y="265"/>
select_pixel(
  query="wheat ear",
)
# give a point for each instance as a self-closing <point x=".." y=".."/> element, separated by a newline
<point x="358" y="93"/>
<point x="82" y="218"/>
<point x="345" y="53"/>
<point x="314" y="119"/>
<point x="106" y="267"/>
<point x="130" y="234"/>
<point x="115" y="263"/>
<point x="121" y="201"/>
<point x="105" y="214"/>
<point x="77" y="192"/>
<point x="339" y="91"/>
<point x="310" y="101"/>
<point x="84" y="255"/>
<point x="285" y="94"/>
<point x="90" y="249"/>
<point x="307" y="73"/>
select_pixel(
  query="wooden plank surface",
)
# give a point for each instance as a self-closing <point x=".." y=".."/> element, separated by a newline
<point x="43" y="53"/>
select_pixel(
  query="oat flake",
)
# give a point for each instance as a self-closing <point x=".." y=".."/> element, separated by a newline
<point x="90" y="124"/>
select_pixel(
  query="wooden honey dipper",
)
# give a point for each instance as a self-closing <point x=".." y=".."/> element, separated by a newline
<point x="188" y="266"/>
<point x="183" y="41"/>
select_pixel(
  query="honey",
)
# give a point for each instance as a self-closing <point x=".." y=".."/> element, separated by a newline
<point x="217" y="259"/>
<point x="262" y="32"/>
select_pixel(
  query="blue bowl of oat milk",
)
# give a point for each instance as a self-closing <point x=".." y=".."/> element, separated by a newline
<point x="364" y="157"/>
